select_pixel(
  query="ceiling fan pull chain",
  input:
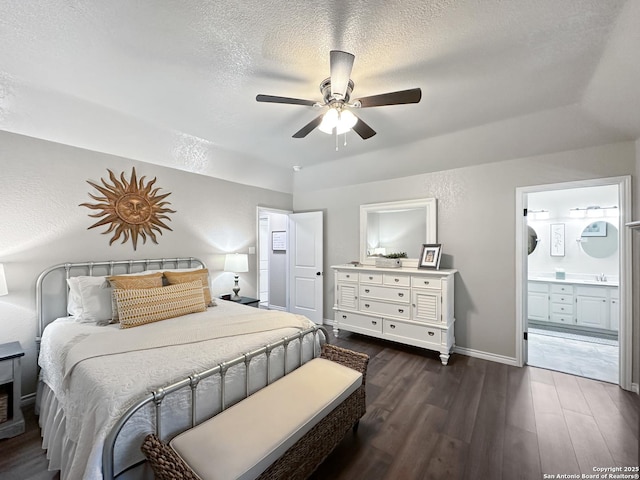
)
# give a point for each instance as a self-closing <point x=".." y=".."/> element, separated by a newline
<point x="345" y="139"/>
<point x="336" y="130"/>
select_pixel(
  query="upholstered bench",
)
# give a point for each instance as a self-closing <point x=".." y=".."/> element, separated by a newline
<point x="284" y="430"/>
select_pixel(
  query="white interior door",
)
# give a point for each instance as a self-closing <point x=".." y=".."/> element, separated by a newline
<point x="305" y="265"/>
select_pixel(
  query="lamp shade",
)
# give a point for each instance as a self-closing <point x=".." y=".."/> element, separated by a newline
<point x="236" y="262"/>
<point x="3" y="281"/>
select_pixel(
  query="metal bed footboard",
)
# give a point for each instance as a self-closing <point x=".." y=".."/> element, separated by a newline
<point x="158" y="396"/>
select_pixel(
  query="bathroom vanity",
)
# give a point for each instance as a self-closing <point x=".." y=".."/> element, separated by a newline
<point x="582" y="304"/>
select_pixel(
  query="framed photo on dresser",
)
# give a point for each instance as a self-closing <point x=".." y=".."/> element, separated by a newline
<point x="430" y="255"/>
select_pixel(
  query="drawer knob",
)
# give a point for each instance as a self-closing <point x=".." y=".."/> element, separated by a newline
<point x="426" y="282"/>
<point x="373" y="322"/>
<point x="348" y="276"/>
<point x="562" y="308"/>
<point x="392" y="325"/>
<point x="366" y="305"/>
<point x="431" y="334"/>
<point x="344" y="317"/>
<point x="366" y="290"/>
<point x="401" y="294"/>
<point x="401" y="310"/>
<point x="370" y="278"/>
<point x="396" y="279"/>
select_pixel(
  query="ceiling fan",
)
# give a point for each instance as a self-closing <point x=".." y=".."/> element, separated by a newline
<point x="336" y="92"/>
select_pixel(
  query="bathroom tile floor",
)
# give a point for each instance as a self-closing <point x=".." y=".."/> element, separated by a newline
<point x="584" y="356"/>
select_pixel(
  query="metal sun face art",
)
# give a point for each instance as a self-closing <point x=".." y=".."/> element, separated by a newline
<point x="131" y="208"/>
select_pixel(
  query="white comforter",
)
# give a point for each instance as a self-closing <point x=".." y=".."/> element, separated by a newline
<point x="94" y="388"/>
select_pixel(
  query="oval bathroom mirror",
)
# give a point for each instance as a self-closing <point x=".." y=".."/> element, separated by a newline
<point x="532" y="240"/>
<point x="599" y="239"/>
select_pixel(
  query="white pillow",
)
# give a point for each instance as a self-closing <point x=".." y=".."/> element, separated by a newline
<point x="93" y="297"/>
<point x="74" y="302"/>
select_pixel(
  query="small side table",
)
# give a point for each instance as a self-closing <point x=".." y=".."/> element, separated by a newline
<point x="10" y="388"/>
<point x="252" y="302"/>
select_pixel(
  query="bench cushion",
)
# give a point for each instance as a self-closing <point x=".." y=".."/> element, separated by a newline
<point x="245" y="439"/>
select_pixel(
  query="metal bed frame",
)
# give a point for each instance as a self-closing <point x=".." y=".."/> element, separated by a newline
<point x="157" y="396"/>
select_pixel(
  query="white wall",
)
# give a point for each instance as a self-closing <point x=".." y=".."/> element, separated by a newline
<point x="575" y="260"/>
<point x="476" y="226"/>
<point x="42" y="224"/>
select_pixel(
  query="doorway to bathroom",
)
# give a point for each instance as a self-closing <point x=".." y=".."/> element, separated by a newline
<point x="574" y="279"/>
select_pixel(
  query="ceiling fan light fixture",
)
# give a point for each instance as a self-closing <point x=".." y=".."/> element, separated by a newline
<point x="346" y="121"/>
<point x="329" y="121"/>
<point x="341" y="120"/>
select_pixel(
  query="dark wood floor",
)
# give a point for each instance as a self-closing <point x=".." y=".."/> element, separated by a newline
<point x="472" y="419"/>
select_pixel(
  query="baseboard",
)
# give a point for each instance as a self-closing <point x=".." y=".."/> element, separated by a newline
<point x="327" y="321"/>
<point x="492" y="357"/>
<point x="277" y="307"/>
<point x="28" y="399"/>
<point x="635" y="388"/>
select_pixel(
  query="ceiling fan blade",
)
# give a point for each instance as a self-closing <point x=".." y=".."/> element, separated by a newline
<point x="341" y="64"/>
<point x="288" y="100"/>
<point x="308" y="128"/>
<point x="393" y="98"/>
<point x="362" y="129"/>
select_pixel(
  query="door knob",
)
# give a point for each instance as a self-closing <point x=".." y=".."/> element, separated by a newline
<point x="318" y="273"/>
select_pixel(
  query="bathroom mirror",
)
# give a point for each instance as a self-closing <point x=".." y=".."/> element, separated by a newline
<point x="599" y="239"/>
<point x="395" y="227"/>
<point x="533" y="240"/>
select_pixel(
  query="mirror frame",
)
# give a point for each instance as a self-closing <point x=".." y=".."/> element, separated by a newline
<point x="431" y="225"/>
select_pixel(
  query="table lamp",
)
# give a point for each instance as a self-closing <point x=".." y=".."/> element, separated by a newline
<point x="236" y="263"/>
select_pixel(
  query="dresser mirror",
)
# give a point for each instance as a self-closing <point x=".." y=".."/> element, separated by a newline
<point x="397" y="227"/>
<point x="599" y="239"/>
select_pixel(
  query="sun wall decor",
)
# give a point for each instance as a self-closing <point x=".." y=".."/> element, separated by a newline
<point x="130" y="207"/>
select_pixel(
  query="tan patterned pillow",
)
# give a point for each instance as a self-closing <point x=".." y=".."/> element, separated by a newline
<point x="150" y="280"/>
<point x="201" y="274"/>
<point x="147" y="305"/>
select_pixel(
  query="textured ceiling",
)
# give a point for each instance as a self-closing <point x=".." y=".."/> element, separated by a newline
<point x="174" y="82"/>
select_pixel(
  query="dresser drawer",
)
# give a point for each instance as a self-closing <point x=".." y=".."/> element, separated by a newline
<point x="359" y="322"/>
<point x="6" y="371"/>
<point x="398" y="280"/>
<point x="562" y="308"/>
<point x="559" y="318"/>
<point x="384" y="308"/>
<point x="411" y="331"/>
<point x="347" y="276"/>
<point x="425" y="282"/>
<point x="370" y="277"/>
<point x="561" y="288"/>
<point x="385" y="293"/>
<point x="562" y="298"/>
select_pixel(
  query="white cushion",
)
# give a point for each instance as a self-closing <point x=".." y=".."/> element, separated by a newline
<point x="244" y="440"/>
<point x="89" y="299"/>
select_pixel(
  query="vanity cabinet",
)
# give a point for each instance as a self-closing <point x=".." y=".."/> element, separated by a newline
<point x="592" y="307"/>
<point x="538" y="301"/>
<point x="579" y="305"/>
<point x="406" y="305"/>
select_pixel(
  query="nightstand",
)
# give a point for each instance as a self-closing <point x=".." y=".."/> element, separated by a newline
<point x="251" y="302"/>
<point x="10" y="390"/>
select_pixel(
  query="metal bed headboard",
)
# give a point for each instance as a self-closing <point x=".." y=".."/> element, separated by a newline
<point x="106" y="267"/>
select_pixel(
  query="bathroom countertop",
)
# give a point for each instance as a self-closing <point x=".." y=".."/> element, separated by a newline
<point x="574" y="281"/>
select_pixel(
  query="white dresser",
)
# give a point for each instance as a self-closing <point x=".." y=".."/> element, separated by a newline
<point x="405" y="305"/>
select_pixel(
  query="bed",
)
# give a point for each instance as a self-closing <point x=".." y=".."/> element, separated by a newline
<point x="103" y="387"/>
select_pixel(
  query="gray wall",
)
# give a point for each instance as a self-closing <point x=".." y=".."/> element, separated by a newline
<point x="476" y="226"/>
<point x="41" y="186"/>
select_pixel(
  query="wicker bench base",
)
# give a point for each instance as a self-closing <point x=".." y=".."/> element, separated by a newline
<point x="300" y="460"/>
